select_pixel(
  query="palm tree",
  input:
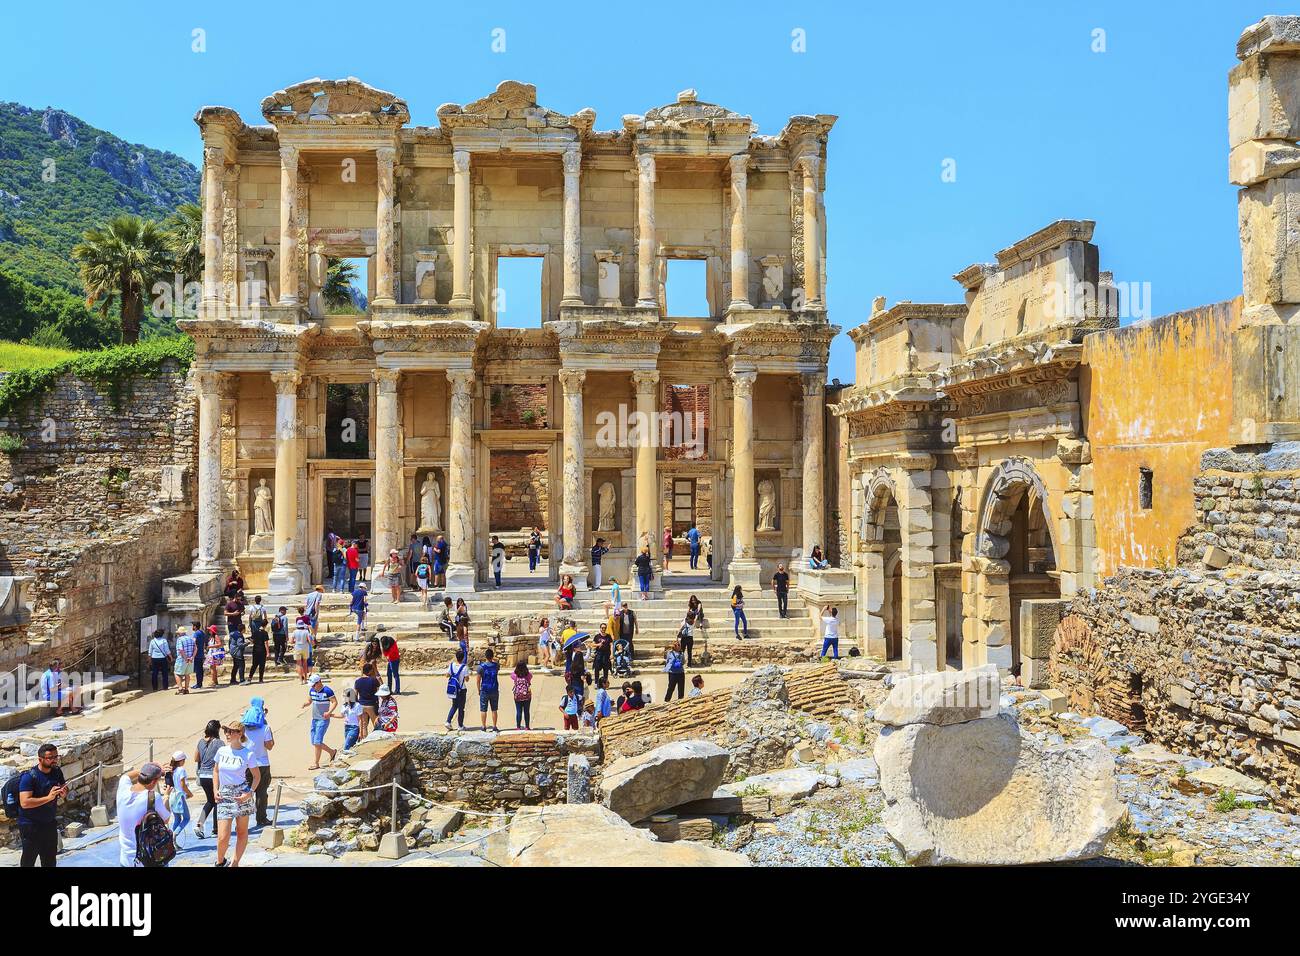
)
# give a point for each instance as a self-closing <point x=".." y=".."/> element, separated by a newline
<point x="123" y="260"/>
<point x="338" y="291"/>
<point x="185" y="239"/>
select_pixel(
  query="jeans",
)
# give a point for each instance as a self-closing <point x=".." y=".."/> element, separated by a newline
<point x="524" y="714"/>
<point x="533" y="555"/>
<point x="198" y="666"/>
<point x="181" y="817"/>
<point x="236" y="670"/>
<point x="601" y="666"/>
<point x="260" y="795"/>
<point x="688" y="646"/>
<point x="158" y="665"/>
<point x="695" y="556"/>
<point x="783" y="603"/>
<point x="352" y="579"/>
<point x="40" y="841"/>
<point x="676" y="679"/>
<point x="318" y="727"/>
<point x="497" y="575"/>
<point x="277" y="645"/>
<point x="458" y="709"/>
<point x="394" y="677"/>
<point x="351" y="733"/>
<point x="831" y="643"/>
<point x="741" y="620"/>
<point x="340" y="576"/>
<point x="644" y="580"/>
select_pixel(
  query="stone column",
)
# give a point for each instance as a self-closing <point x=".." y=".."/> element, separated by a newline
<point x="872" y="590"/>
<point x="461" y="572"/>
<point x="384" y="157"/>
<point x="739" y="237"/>
<point x="575" y="498"/>
<point x="460" y="263"/>
<point x="812" y="294"/>
<point x="285" y="576"/>
<point x="213" y="188"/>
<point x="288" y="225"/>
<point x="646" y="382"/>
<point x="209" y="491"/>
<point x="572" y="228"/>
<point x="744" y="561"/>
<point x="388" y="465"/>
<point x="916" y="517"/>
<point x="647" y="295"/>
<point x="814" y="407"/>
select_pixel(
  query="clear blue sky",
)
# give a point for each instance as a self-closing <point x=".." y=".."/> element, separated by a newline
<point x="1041" y="127"/>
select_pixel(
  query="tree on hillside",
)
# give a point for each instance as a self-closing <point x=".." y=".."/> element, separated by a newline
<point x="185" y="239"/>
<point x="123" y="260"/>
<point x="339" y="282"/>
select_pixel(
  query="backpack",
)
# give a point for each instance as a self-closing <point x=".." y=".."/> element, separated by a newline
<point x="257" y="614"/>
<point x="154" y="843"/>
<point x="453" y="680"/>
<point x="489" y="672"/>
<point x="422" y="572"/>
<point x="10" y="794"/>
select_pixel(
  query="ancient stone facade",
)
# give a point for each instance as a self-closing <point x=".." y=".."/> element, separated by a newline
<point x="347" y="416"/>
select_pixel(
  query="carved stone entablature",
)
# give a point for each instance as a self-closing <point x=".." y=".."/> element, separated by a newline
<point x="1045" y="239"/>
<point x="611" y="336"/>
<point x="348" y="102"/>
<point x="513" y="105"/>
<point x="231" y="337"/>
<point x="966" y="456"/>
<point x="974" y="275"/>
<point x="689" y="111"/>
<point x="798" y="341"/>
<point x="422" y="337"/>
<point x="806" y="134"/>
<point x="1005" y="367"/>
<point x="906" y="388"/>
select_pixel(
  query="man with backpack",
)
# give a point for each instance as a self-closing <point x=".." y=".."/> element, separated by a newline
<point x="143" y="835"/>
<point x="489" y="693"/>
<point x="279" y="634"/>
<point x="32" y="797"/>
<point x="457" y="674"/>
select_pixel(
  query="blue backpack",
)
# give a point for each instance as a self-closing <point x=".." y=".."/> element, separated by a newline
<point x="489" y="671"/>
<point x="454" y="679"/>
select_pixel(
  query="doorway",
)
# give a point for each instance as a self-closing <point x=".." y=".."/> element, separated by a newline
<point x="519" y="502"/>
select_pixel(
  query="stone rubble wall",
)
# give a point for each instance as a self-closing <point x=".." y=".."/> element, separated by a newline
<point x="1206" y="663"/>
<point x="1248" y="506"/>
<point x="78" y="753"/>
<point x="97" y="516"/>
<point x="521" y="492"/>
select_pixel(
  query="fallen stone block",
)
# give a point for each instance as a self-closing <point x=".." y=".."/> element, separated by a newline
<point x="945" y="697"/>
<point x="723" y="804"/>
<point x="1056" y="700"/>
<point x="1215" y="779"/>
<point x="676" y="773"/>
<point x="981" y="793"/>
<point x="675" y="828"/>
<point x="791" y="784"/>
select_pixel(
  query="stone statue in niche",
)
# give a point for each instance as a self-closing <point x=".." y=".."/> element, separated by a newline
<point x="430" y="505"/>
<point x="317" y="275"/>
<point x="262" y="537"/>
<point x="606" y="520"/>
<point x="766" y="506"/>
<point x="773" y="282"/>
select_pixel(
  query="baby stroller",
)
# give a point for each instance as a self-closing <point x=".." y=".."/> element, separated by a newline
<point x="622" y="657"/>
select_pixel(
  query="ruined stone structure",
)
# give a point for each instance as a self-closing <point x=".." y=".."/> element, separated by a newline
<point x="347" y="416"/>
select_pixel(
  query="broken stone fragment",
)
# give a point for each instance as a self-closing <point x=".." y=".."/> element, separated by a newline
<point x="676" y="773"/>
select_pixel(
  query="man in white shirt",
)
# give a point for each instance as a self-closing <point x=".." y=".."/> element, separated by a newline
<point x="831" y="632"/>
<point x="137" y="790"/>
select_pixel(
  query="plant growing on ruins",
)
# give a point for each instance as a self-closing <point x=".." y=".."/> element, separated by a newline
<point x="122" y="261"/>
<point x="528" y="417"/>
<point x="10" y="443"/>
<point x="1228" y="802"/>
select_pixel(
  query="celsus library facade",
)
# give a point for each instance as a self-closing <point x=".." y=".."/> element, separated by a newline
<point x="418" y="413"/>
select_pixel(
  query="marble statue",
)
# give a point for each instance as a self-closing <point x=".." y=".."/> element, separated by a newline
<point x="263" y="514"/>
<point x="430" y="504"/>
<point x="605" y="518"/>
<point x="766" y="506"/>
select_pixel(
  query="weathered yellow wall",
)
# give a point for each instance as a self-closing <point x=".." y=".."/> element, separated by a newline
<point x="1156" y="394"/>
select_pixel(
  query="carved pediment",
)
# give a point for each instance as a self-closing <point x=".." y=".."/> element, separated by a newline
<point x="512" y="103"/>
<point x="690" y="111"/>
<point x="347" y="102"/>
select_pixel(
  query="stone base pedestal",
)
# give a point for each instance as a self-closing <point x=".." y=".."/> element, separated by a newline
<point x="579" y="572"/>
<point x="746" y="572"/>
<point x="284" y="579"/>
<point x="832" y="586"/>
<point x="392" y="846"/>
<point x="99" y="816"/>
<point x="271" y="837"/>
<point x="263" y="544"/>
<point x="460" y="577"/>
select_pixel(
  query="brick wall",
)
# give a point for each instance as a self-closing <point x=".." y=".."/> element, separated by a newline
<point x="1248" y="505"/>
<point x="519" y="406"/>
<point x="490" y="771"/>
<point x="521" y="494"/>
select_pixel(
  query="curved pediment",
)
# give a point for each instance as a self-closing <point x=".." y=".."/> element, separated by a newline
<point x="690" y="111"/>
<point x="512" y="103"/>
<point x="348" y="102"/>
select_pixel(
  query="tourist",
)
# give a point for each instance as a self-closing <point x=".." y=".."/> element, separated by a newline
<point x="644" y="571"/>
<point x="423" y="573"/>
<point x="497" y="559"/>
<point x="331" y="543"/>
<point x="412" y="559"/>
<point x="462" y="625"/>
<point x="160" y="659"/>
<point x="603" y="658"/>
<point x="598" y="552"/>
<point x="205" y="761"/>
<point x="340" y="566"/>
<point x="523" y="694"/>
<point x="53" y="691"/>
<point x="363" y="559"/>
<point x="322" y="702"/>
<point x="257" y="730"/>
<point x="571" y="706"/>
<point x="387" y="709"/>
<point x="280" y="634"/>
<point x="177" y="781"/>
<point x="565" y="595"/>
<point x="816" y="561"/>
<point x="351" y="717"/>
<point x="544" y="642"/>
<point x="697" y="686"/>
<point x="693" y="540"/>
<point x="675" y="668"/>
<point x="39" y="791"/>
<point x="302" y="647"/>
<point x="637" y="700"/>
<point x="393" y="656"/>
<point x="234" y="583"/>
<point x="489" y="695"/>
<point x="534" y="548"/>
<point x="708" y="554"/>
<point x="360" y="603"/>
<point x="258" y="640"/>
<point x="625" y="692"/>
<point x="738" y="612"/>
<point x="831" y="632"/>
<point x="457" y="677"/>
<point x="686" y="636"/>
<point x="352" y="556"/>
<point x="628" y="628"/>
<point x="216" y="656"/>
<point x="257" y="614"/>
<point x="137" y="796"/>
<point x="311" y="606"/>
<point x="393" y="575"/>
<point x="367" y="688"/>
<point x="441" y="558"/>
<point x="372" y="654"/>
<point x="781" y="586"/>
<point x="234" y="611"/>
<point x="603" y="703"/>
<point x="668" y="547"/>
<point x="447" y="619"/>
<point x="186" y="648"/>
<point x="236" y="645"/>
<point x="235" y="800"/>
<point x="200" y="635"/>
<point x="693" y="604"/>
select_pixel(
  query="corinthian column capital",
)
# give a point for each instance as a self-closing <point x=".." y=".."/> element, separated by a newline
<point x="645" y="380"/>
<point x="286" y="381"/>
<point x="572" y="160"/>
<point x="571" y="379"/>
<point x="742" y="383"/>
<point x="386" y="378"/>
<point x="289" y="157"/>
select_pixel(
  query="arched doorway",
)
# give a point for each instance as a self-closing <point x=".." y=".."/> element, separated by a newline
<point x="881" y="536"/>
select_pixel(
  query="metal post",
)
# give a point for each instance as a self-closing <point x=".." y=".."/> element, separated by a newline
<point x="275" y="815"/>
<point x="151" y="750"/>
<point x="395" y="805"/>
<point x="99" y="785"/>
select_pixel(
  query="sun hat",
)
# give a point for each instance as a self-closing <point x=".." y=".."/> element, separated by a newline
<point x="384" y="691"/>
<point x="315" y="679"/>
<point x="149" y="773"/>
<point x="179" y="756"/>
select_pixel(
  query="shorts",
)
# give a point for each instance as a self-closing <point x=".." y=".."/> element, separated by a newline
<point x="439" y="569"/>
<point x="184" y="668"/>
<point x="570" y="721"/>
<point x="363" y="561"/>
<point x="318" y="727"/>
<point x="488" y="699"/>
<point x="302" y="655"/>
<point x="423" y="583"/>
<point x="228" y="808"/>
<point x="394" y="580"/>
